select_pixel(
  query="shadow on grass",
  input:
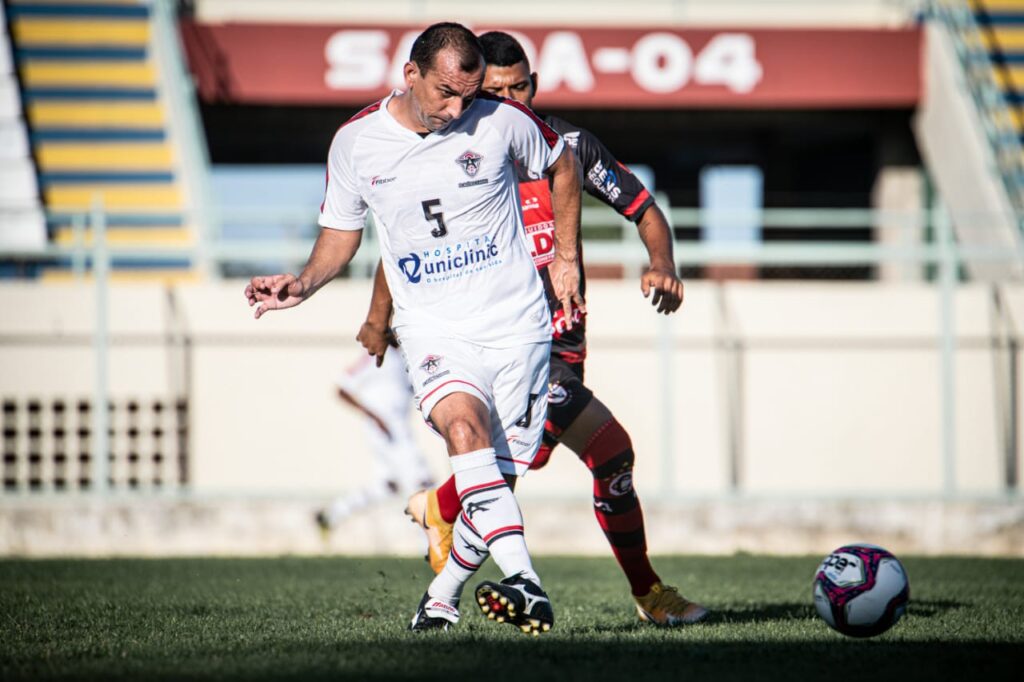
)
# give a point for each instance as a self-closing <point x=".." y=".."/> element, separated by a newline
<point x="568" y="656"/>
<point x="793" y="611"/>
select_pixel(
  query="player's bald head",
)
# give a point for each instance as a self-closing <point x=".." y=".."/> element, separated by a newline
<point x="447" y="35"/>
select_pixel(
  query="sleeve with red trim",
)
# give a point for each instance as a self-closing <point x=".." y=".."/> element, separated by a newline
<point x="343" y="207"/>
<point x="531" y="141"/>
<point x="604" y="176"/>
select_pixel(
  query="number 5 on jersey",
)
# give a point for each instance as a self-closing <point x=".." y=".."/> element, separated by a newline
<point x="428" y="214"/>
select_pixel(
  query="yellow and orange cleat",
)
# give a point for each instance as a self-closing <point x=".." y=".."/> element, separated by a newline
<point x="663" y="605"/>
<point x="423" y="510"/>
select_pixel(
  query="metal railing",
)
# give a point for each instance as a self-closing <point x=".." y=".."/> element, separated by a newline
<point x="934" y="251"/>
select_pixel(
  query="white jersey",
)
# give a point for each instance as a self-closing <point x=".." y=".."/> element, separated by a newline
<point x="447" y="211"/>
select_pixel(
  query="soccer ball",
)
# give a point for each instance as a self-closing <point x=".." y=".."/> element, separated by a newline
<point x="861" y="590"/>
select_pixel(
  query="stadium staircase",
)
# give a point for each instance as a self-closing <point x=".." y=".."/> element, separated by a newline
<point x="1002" y="27"/>
<point x="104" y="131"/>
<point x="1000" y="24"/>
<point x="21" y="213"/>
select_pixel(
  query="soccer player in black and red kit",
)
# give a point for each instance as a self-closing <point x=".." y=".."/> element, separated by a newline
<point x="575" y="417"/>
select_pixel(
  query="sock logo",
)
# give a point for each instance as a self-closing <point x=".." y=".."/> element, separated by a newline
<point x="474" y="507"/>
<point x="621" y="484"/>
<point x="473" y="549"/>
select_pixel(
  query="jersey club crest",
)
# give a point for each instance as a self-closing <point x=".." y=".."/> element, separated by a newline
<point x="470" y="162"/>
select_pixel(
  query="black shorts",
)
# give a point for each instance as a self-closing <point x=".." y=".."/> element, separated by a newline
<point x="567" y="397"/>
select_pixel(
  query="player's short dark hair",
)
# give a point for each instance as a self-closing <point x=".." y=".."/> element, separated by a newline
<point x="501" y="49"/>
<point x="444" y="35"/>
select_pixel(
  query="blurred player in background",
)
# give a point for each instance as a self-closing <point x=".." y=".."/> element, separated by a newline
<point x="382" y="394"/>
<point x="437" y="165"/>
<point x="575" y="417"/>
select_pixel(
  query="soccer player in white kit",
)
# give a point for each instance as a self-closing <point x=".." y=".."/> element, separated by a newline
<point x="437" y="165"/>
<point x="381" y="392"/>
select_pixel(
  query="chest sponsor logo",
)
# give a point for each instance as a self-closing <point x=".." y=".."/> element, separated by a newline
<point x="542" y="242"/>
<point x="380" y="180"/>
<point x="470" y="162"/>
<point x="445" y="263"/>
<point x="606" y="180"/>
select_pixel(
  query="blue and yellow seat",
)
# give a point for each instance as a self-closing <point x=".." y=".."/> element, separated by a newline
<point x="100" y="126"/>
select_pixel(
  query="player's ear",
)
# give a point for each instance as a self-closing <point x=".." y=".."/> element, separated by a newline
<point x="533" y="84"/>
<point x="411" y="72"/>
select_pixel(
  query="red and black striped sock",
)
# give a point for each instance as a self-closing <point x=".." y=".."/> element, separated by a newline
<point x="609" y="456"/>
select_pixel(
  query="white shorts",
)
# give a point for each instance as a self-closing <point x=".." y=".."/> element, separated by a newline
<point x="511" y="382"/>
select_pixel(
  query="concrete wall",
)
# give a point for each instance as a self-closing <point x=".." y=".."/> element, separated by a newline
<point x="808" y="389"/>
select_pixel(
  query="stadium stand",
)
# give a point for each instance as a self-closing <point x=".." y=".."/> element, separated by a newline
<point x="24" y="225"/>
<point x="102" y="129"/>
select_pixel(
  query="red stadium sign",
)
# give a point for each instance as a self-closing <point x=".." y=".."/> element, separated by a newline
<point x="592" y="67"/>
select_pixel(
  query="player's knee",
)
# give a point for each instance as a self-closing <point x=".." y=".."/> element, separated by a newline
<point x="609" y="451"/>
<point x="465" y="434"/>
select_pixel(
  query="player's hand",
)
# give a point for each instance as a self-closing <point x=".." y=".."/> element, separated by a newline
<point x="666" y="287"/>
<point x="565" y="279"/>
<point x="376" y="338"/>
<point x="274" y="292"/>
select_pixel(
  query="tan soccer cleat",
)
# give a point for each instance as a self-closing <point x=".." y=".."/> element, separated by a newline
<point x="423" y="510"/>
<point x="663" y="605"/>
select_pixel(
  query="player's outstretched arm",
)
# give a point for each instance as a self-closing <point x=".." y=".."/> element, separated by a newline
<point x="564" y="270"/>
<point x="375" y="334"/>
<point x="332" y="251"/>
<point x="660" y="278"/>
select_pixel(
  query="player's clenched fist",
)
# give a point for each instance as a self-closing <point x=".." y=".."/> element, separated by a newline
<point x="273" y="292"/>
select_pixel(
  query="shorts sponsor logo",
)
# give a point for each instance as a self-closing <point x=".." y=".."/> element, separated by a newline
<point x="621" y="484"/>
<point x="453" y="261"/>
<point x="431" y="363"/>
<point x="437" y="376"/>
<point x="470" y="162"/>
<point x="558" y="394"/>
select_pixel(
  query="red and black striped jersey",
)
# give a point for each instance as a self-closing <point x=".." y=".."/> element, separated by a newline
<point x="604" y="177"/>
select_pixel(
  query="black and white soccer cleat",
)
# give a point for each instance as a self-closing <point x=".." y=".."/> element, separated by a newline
<point x="434" y="614"/>
<point x="516" y="601"/>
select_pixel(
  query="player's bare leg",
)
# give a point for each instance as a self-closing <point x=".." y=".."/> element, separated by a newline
<point x="490" y="521"/>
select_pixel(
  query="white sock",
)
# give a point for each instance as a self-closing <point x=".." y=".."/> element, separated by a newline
<point x="490" y="509"/>
<point x="468" y="553"/>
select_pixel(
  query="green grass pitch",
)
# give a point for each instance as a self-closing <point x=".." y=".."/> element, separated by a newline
<point x="342" y="618"/>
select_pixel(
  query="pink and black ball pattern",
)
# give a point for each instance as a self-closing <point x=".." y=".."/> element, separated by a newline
<point x="861" y="590"/>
